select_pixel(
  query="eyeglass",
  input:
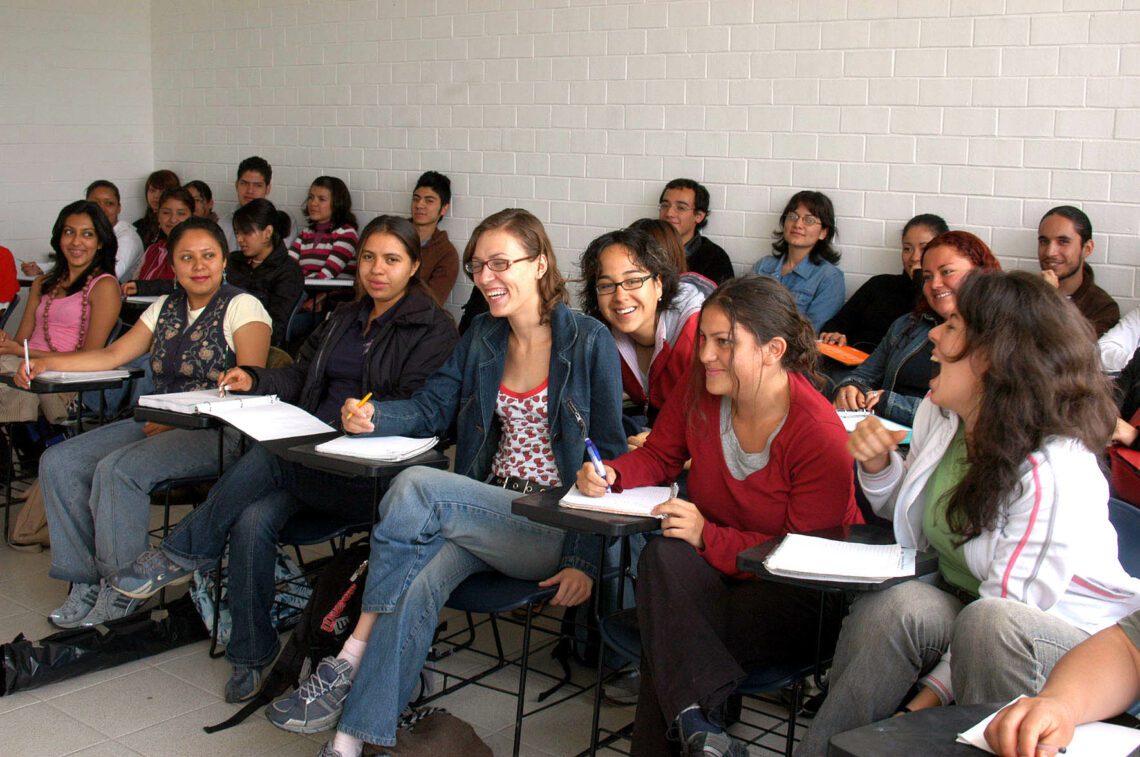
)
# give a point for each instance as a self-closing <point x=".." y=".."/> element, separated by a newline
<point x="808" y="220"/>
<point x="498" y="265"/>
<point x="680" y="207"/>
<point x="637" y="282"/>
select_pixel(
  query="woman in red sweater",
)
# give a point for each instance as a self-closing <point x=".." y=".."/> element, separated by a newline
<point x="769" y="458"/>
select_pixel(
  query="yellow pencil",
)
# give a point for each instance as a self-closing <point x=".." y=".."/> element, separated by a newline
<point x="363" y="401"/>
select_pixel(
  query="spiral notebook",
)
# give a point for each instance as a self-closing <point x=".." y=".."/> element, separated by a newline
<point x="263" y="417"/>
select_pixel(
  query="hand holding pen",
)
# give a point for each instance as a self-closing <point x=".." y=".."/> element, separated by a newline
<point x="356" y="415"/>
<point x="235" y="380"/>
<point x="592" y="483"/>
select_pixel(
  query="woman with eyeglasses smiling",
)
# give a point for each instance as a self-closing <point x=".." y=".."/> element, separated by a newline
<point x="803" y="258"/>
<point x="529" y="381"/>
<point x="632" y="284"/>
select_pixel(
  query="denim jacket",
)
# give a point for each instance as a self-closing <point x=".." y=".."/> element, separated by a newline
<point x="906" y="337"/>
<point x="584" y="370"/>
<point x="818" y="287"/>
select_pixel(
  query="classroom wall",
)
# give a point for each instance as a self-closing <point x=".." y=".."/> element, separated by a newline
<point x="75" y="105"/>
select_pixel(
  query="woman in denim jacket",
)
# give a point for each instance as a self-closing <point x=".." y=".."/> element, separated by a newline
<point x="894" y="379"/>
<point x="526" y="385"/>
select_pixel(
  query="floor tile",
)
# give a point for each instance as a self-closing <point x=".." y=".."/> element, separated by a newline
<point x="133" y="702"/>
<point x="43" y="731"/>
<point x="106" y="749"/>
<point x="183" y="736"/>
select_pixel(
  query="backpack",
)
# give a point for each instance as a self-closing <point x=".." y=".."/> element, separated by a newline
<point x="322" y="629"/>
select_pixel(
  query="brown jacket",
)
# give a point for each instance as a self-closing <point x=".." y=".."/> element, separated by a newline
<point x="439" y="265"/>
<point x="1095" y="304"/>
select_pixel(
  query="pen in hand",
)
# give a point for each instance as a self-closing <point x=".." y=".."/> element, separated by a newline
<point x="591" y="448"/>
<point x="364" y="400"/>
<point x="27" y="361"/>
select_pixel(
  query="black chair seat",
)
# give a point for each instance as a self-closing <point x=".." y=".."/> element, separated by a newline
<point x="493" y="593"/>
<point x="307" y="528"/>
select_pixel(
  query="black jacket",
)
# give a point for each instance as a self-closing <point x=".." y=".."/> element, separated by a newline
<point x="411" y="345"/>
<point x="865" y="318"/>
<point x="710" y="260"/>
<point x="277" y="282"/>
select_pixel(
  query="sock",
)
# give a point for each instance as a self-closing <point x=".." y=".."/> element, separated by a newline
<point x="692" y="720"/>
<point x="347" y="746"/>
<point x="353" y="651"/>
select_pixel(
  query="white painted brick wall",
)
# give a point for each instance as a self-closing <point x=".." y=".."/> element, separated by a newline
<point x="75" y="105"/>
<point x="986" y="112"/>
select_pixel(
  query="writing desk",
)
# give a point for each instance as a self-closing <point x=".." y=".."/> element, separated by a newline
<point x="543" y="507"/>
<point x="324" y="285"/>
<point x="140" y="301"/>
<point x="931" y="733"/>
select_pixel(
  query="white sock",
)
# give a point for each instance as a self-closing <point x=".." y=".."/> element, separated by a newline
<point x="347" y="746"/>
<point x="353" y="652"/>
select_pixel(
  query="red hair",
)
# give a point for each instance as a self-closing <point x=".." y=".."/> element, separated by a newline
<point x="968" y="246"/>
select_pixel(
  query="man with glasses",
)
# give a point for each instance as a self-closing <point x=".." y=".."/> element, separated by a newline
<point x="684" y="205"/>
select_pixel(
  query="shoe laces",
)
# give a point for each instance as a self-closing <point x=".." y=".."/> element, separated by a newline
<point x="316" y="686"/>
<point x="80" y="596"/>
<point x="153" y="561"/>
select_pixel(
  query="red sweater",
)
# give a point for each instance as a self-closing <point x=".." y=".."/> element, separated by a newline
<point x="668" y="371"/>
<point x="806" y="485"/>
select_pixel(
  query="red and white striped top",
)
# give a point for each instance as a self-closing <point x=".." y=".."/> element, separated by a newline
<point x="325" y="252"/>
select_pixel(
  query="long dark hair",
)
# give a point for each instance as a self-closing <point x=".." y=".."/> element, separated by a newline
<point x="162" y="180"/>
<point x="644" y="251"/>
<point x="1042" y="378"/>
<point x="403" y="230"/>
<point x="764" y="308"/>
<point x="819" y="205"/>
<point x="529" y="232"/>
<point x="258" y="214"/>
<point x="342" y="214"/>
<point x="104" y="260"/>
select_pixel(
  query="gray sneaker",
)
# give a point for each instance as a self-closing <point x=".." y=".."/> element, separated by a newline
<point x="244" y="684"/>
<point x="149" y="574"/>
<point x="316" y="704"/>
<point x="111" y="605"/>
<point x="622" y="689"/>
<point x="705" y="744"/>
<point x="79" y="603"/>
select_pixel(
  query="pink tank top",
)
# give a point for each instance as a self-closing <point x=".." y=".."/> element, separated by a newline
<point x="61" y="322"/>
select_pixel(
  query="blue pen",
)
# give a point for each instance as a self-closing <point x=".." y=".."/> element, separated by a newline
<point x="591" y="448"/>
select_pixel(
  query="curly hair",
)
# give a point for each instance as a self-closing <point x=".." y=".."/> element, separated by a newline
<point x="642" y="249"/>
<point x="1041" y="379"/>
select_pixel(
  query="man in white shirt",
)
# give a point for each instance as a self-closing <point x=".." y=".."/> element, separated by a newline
<point x="106" y="195"/>
<point x="255" y="181"/>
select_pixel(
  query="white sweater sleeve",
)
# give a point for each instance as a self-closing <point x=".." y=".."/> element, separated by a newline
<point x="1119" y="342"/>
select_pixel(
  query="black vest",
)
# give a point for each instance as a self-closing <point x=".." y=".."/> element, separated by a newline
<point x="185" y="358"/>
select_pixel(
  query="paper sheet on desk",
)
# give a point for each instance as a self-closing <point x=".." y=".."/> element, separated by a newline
<point x="79" y="377"/>
<point x="852" y="418"/>
<point x="268" y="421"/>
<point x="391" y="449"/>
<point x="638" y="502"/>
<point x="1089" y="740"/>
<point x="831" y="560"/>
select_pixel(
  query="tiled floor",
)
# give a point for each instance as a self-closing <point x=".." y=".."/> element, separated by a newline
<point x="157" y="706"/>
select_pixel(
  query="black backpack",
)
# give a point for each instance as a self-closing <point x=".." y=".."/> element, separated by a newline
<point x="325" y="624"/>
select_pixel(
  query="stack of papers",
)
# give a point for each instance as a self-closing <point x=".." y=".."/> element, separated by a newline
<point x="264" y="417"/>
<point x="1089" y="740"/>
<point x="638" y="502"/>
<point x="852" y="418"/>
<point x="80" y="377"/>
<point x="811" y="557"/>
<point x="389" y="449"/>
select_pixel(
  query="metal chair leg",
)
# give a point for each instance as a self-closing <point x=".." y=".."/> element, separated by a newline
<point x="523" y="667"/>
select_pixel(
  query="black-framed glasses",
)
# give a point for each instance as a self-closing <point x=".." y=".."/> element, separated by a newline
<point x="808" y="220"/>
<point x="636" y="282"/>
<point x="498" y="265"/>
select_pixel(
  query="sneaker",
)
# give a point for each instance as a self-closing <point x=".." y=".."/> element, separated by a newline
<point x="148" y="574"/>
<point x="316" y="705"/>
<point x="110" y="605"/>
<point x="79" y="604"/>
<point x="622" y="689"/>
<point x="246" y="681"/>
<point x="705" y="744"/>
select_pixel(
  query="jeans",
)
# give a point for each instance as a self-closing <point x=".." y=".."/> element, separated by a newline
<point x="97" y="486"/>
<point x="250" y="505"/>
<point x="437" y="529"/>
<point x="999" y="648"/>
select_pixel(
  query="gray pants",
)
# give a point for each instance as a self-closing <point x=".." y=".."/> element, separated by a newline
<point x="1000" y="649"/>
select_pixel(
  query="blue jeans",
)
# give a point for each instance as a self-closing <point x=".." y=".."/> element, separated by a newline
<point x="437" y="529"/>
<point x="250" y="504"/>
<point x="97" y="486"/>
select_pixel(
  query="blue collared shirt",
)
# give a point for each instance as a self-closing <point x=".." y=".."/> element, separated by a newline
<point x="818" y="288"/>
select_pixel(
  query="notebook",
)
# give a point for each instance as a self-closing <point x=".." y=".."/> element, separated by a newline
<point x="1089" y="740"/>
<point x="390" y="449"/>
<point x="637" y="502"/>
<point x="263" y="417"/>
<point x="852" y="418"/>
<point x="811" y="557"/>
<point x="79" y="377"/>
<point x="845" y="355"/>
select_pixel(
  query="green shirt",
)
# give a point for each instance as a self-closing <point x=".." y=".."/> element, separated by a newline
<point x="950" y="471"/>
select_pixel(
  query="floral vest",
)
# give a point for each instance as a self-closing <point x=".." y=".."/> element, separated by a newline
<point x="185" y="358"/>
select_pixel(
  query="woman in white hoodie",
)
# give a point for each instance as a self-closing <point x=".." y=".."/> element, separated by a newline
<point x="1002" y="481"/>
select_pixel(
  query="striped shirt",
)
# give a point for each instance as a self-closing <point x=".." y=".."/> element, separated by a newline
<point x="324" y="252"/>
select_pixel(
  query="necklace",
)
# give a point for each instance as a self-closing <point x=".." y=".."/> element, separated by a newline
<point x="84" y="312"/>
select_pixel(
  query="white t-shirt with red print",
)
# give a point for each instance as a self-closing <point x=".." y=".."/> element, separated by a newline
<point x="524" y="448"/>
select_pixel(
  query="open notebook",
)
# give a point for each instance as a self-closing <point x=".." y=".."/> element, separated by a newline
<point x="389" y="449"/>
<point x="638" y="502"/>
<point x="852" y="418"/>
<point x="264" y="417"/>
<point x="811" y="557"/>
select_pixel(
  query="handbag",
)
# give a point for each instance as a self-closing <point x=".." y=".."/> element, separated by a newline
<point x="432" y="732"/>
